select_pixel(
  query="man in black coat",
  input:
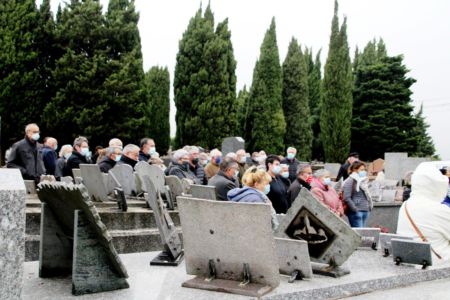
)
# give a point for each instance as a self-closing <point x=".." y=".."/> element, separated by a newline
<point x="278" y="188"/>
<point x="292" y="162"/>
<point x="225" y="180"/>
<point x="130" y="155"/>
<point x="49" y="155"/>
<point x="343" y="170"/>
<point x="26" y="155"/>
<point x="80" y="154"/>
<point x="112" y="156"/>
<point x="147" y="149"/>
<point x="194" y="164"/>
<point x="303" y="180"/>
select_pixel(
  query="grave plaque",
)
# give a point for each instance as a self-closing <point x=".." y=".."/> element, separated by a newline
<point x="93" y="181"/>
<point x="203" y="192"/>
<point x="30" y="186"/>
<point x="232" y="144"/>
<point x="156" y="175"/>
<point x="125" y="176"/>
<point x="411" y="252"/>
<point x="370" y="237"/>
<point x="330" y="240"/>
<point x="75" y="241"/>
<point x="175" y="186"/>
<point x="12" y="233"/>
<point x="235" y="257"/>
<point x="385" y="242"/>
<point x="293" y="258"/>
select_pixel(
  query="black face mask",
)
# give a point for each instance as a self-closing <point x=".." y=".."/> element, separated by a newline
<point x="195" y="161"/>
<point x="185" y="165"/>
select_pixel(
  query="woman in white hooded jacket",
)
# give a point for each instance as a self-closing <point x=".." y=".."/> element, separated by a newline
<point x="429" y="187"/>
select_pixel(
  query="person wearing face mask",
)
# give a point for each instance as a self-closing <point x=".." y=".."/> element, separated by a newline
<point x="303" y="180"/>
<point x="148" y="149"/>
<point x="322" y="190"/>
<point x="357" y="196"/>
<point x="212" y="167"/>
<point x="256" y="187"/>
<point x="26" y="155"/>
<point x="285" y="174"/>
<point x="343" y="170"/>
<point x="225" y="179"/>
<point x="194" y="164"/>
<point x="130" y="155"/>
<point x="49" y="155"/>
<point x="292" y="162"/>
<point x="241" y="158"/>
<point x="180" y="167"/>
<point x="278" y="189"/>
<point x="112" y="156"/>
<point x="80" y="154"/>
<point x="61" y="163"/>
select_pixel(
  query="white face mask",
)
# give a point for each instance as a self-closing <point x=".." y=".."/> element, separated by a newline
<point x="67" y="155"/>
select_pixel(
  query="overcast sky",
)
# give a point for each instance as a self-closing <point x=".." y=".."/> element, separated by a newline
<point x="420" y="30"/>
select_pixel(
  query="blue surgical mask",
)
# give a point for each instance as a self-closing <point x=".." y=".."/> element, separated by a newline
<point x="84" y="151"/>
<point x="327" y="181"/>
<point x="152" y="150"/>
<point x="118" y="157"/>
<point x="218" y="160"/>
<point x="290" y="155"/>
<point x="35" y="136"/>
<point x="362" y="174"/>
<point x="276" y="170"/>
<point x="285" y="175"/>
<point x="267" y="189"/>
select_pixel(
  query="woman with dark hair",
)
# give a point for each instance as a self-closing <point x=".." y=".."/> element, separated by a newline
<point x="357" y="196"/>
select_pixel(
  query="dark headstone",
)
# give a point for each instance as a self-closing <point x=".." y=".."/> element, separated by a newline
<point x="232" y="144"/>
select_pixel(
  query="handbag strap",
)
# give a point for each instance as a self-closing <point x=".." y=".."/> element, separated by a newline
<point x="418" y="230"/>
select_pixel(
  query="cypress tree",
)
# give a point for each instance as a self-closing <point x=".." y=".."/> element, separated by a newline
<point x="157" y="88"/>
<point x="425" y="145"/>
<point x="265" y="126"/>
<point x="336" y="105"/>
<point x="242" y="103"/>
<point x="295" y="102"/>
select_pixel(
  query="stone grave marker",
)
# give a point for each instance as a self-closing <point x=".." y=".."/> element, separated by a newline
<point x="232" y="144"/>
<point x="203" y="192"/>
<point x="411" y="252"/>
<point x="293" y="258"/>
<point x="172" y="254"/>
<point x="93" y="181"/>
<point x="370" y="237"/>
<point x="186" y="184"/>
<point x="388" y="195"/>
<point x="175" y="186"/>
<point x="125" y="176"/>
<point x="397" y="164"/>
<point x="235" y="257"/>
<point x="156" y="175"/>
<point x="333" y="168"/>
<point x="12" y="233"/>
<point x="76" y="174"/>
<point x="330" y="239"/>
<point x="385" y="242"/>
<point x="75" y="241"/>
<point x="30" y="186"/>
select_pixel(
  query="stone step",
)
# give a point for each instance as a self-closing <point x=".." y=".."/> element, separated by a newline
<point x="125" y="241"/>
<point x="114" y="219"/>
<point x="33" y="201"/>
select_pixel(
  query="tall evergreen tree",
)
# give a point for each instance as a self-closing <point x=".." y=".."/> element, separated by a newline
<point x="425" y="145"/>
<point x="295" y="102"/>
<point x="336" y="104"/>
<point x="205" y="83"/>
<point x="265" y="125"/>
<point x="242" y="103"/>
<point x="157" y="88"/>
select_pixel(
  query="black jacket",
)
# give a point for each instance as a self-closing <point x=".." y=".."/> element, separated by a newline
<point x="278" y="195"/>
<point x="75" y="160"/>
<point x="126" y="160"/>
<point x="223" y="184"/>
<point x="106" y="164"/>
<point x="181" y="172"/>
<point x="199" y="172"/>
<point x="27" y="156"/>
<point x="295" y="188"/>
<point x="343" y="171"/>
<point x="144" y="157"/>
<point x="49" y="157"/>
<point x="293" y="165"/>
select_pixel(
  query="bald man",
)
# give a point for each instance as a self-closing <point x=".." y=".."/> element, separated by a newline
<point x="26" y="155"/>
<point x="49" y="155"/>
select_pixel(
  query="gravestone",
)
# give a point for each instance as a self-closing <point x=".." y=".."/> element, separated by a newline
<point x="370" y="237"/>
<point x="75" y="241"/>
<point x="12" y="233"/>
<point x="388" y="195"/>
<point x="125" y="176"/>
<point x="175" y="187"/>
<point x="203" y="192"/>
<point x="397" y="164"/>
<point x="333" y="168"/>
<point x="156" y="175"/>
<point x="93" y="181"/>
<point x="172" y="254"/>
<point x="226" y="253"/>
<point x="293" y="258"/>
<point x="330" y="239"/>
<point x="411" y="252"/>
<point x="30" y="186"/>
<point x="76" y="173"/>
<point x="385" y="242"/>
<point x="232" y="144"/>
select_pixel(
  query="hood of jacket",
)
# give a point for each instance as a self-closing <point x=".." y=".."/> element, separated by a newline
<point x="428" y="184"/>
<point x="247" y="194"/>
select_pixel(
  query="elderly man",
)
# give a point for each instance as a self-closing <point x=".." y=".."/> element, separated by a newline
<point x="148" y="149"/>
<point x="343" y="170"/>
<point x="49" y="155"/>
<point x="212" y="167"/>
<point x="130" y="155"/>
<point x="80" y="154"/>
<point x="180" y="166"/>
<point x="112" y="156"/>
<point x="241" y="158"/>
<point x="303" y="180"/>
<point x="225" y="179"/>
<point x="26" y="155"/>
<point x="194" y="164"/>
<point x="115" y="142"/>
<point x="292" y="162"/>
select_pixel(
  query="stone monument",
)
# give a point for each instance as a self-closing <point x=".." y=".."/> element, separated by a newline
<point x="94" y="182"/>
<point x="12" y="233"/>
<point x="293" y="258"/>
<point x="75" y="241"/>
<point x="232" y="144"/>
<point x="411" y="252"/>
<point x="203" y="191"/>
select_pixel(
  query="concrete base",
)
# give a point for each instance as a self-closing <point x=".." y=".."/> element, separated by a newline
<point x="369" y="272"/>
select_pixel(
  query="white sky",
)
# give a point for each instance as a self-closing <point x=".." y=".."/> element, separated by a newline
<point x="420" y="30"/>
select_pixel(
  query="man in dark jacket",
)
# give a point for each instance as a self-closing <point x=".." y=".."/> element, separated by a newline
<point x="80" y="154"/>
<point x="130" y="155"/>
<point x="147" y="149"/>
<point x="26" y="155"/>
<point x="303" y="180"/>
<point x="49" y="155"/>
<point x="225" y="179"/>
<point x="292" y="162"/>
<point x="194" y="164"/>
<point x="278" y="189"/>
<point x="343" y="170"/>
<point x="112" y="156"/>
<point x="180" y="166"/>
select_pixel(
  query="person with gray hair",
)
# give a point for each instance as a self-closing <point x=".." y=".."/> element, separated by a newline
<point x="194" y="164"/>
<point x="26" y="155"/>
<point x="64" y="154"/>
<point x="212" y="167"/>
<point x="130" y="155"/>
<point x="303" y="180"/>
<point x="226" y="179"/>
<point x="292" y="162"/>
<point x="49" y="155"/>
<point x="321" y="188"/>
<point x="180" y="166"/>
<point x="112" y="156"/>
<point x="80" y="154"/>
